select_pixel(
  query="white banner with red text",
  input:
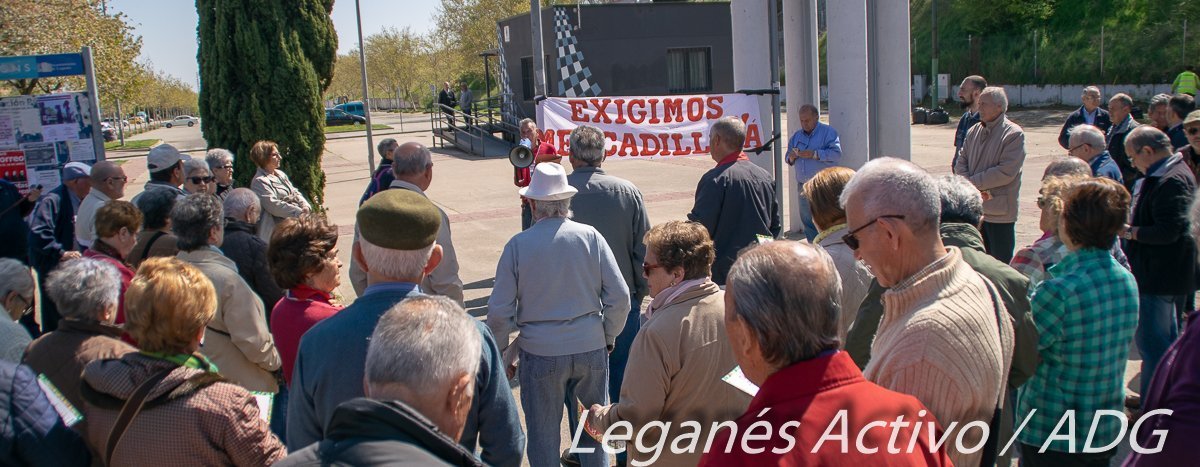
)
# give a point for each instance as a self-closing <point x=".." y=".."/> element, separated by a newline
<point x="648" y="127"/>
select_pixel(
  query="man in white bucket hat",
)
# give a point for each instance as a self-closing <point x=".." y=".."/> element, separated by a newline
<point x="559" y="289"/>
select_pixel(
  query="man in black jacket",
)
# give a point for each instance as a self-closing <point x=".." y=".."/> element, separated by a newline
<point x="1161" y="253"/>
<point x="243" y="245"/>
<point x="447" y="100"/>
<point x="735" y="200"/>
<point x="420" y="374"/>
<point x="1120" y="108"/>
<point x="52" y="231"/>
<point x="1089" y="113"/>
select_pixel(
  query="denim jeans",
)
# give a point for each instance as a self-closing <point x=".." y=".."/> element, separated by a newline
<point x="279" y="414"/>
<point x="1158" y="326"/>
<point x="544" y="384"/>
<point x="810" y="229"/>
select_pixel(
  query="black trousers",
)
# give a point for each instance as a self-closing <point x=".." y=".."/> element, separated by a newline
<point x="999" y="240"/>
<point x="1030" y="457"/>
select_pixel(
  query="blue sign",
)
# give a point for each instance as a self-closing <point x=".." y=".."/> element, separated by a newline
<point x="40" y="66"/>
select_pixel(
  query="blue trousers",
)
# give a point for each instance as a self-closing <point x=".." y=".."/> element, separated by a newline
<point x="545" y="382"/>
<point x="810" y="229"/>
<point x="1158" y="326"/>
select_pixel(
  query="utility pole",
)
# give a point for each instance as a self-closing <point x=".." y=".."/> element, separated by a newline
<point x="539" y="51"/>
<point x="776" y="151"/>
<point x="362" y="63"/>
<point x="933" y="75"/>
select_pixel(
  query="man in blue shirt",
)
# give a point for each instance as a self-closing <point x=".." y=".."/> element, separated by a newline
<point x="813" y="148"/>
<point x="397" y="247"/>
<point x="1087" y="143"/>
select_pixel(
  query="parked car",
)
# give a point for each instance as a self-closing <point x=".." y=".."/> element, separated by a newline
<point x="341" y="117"/>
<point x="136" y="120"/>
<point x="352" y="108"/>
<point x="183" y="120"/>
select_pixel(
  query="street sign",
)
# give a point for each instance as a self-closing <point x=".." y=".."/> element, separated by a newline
<point x="41" y="66"/>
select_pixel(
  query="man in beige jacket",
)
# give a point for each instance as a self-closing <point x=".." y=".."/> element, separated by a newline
<point x="237" y="339"/>
<point x="992" y="158"/>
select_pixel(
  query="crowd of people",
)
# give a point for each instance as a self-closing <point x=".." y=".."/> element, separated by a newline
<point x="199" y="322"/>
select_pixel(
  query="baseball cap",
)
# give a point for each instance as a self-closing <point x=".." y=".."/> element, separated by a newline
<point x="164" y="156"/>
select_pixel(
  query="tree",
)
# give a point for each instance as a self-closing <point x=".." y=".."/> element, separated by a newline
<point x="32" y="27"/>
<point x="263" y="68"/>
<point x="468" y="27"/>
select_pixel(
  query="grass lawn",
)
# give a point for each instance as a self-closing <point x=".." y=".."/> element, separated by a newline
<point x="131" y="144"/>
<point x="355" y="127"/>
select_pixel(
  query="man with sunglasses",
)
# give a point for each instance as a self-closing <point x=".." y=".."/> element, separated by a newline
<point x="108" y="183"/>
<point x="945" y="336"/>
<point x="1191" y="152"/>
<point x="16" y="298"/>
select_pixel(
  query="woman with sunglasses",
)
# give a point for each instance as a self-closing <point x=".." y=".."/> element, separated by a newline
<point x="16" y="299"/>
<point x="280" y="199"/>
<point x="197" y="178"/>
<point x="677" y="360"/>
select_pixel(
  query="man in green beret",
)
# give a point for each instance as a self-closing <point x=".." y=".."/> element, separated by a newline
<point x="397" y="232"/>
<point x="559" y="288"/>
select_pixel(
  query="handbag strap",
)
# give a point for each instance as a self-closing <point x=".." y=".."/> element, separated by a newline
<point x="133" y="406"/>
<point x="150" y="243"/>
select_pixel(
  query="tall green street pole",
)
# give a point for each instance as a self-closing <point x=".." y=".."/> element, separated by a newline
<point x="933" y="75"/>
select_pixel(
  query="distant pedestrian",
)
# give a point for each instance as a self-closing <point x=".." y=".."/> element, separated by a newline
<point x="447" y="101"/>
<point x="813" y="148"/>
<point x="1186" y="81"/>
<point x="466" y="99"/>
<point x="1089" y="113"/>
<point x="382" y="177"/>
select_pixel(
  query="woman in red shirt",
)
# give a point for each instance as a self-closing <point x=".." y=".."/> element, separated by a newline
<point x="302" y="255"/>
<point x="117" y="226"/>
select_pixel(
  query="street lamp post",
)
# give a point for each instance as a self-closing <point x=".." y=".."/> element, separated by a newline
<point x="362" y="63"/>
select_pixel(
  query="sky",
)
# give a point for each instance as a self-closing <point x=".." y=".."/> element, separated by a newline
<point x="168" y="27"/>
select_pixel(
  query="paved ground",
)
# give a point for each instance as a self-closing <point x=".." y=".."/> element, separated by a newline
<point x="481" y="201"/>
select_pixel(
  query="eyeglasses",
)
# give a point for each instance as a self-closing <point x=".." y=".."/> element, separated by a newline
<point x="852" y="241"/>
<point x="225" y="167"/>
<point x="201" y="180"/>
<point x="1193" y="130"/>
<point x="119" y="179"/>
<point x="28" y="305"/>
<point x="646" y="268"/>
<point x="1071" y="150"/>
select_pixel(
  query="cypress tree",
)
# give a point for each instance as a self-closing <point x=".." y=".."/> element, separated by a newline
<point x="263" y="68"/>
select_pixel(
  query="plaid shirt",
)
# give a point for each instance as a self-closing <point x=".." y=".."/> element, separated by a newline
<point x="1086" y="312"/>
<point x="1034" y="260"/>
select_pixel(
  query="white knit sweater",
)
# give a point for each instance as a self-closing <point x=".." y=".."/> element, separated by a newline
<point x="939" y="341"/>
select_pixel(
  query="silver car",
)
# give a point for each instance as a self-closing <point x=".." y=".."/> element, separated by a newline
<point x="183" y="120"/>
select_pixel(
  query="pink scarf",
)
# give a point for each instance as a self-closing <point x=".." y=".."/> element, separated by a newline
<point x="670" y="293"/>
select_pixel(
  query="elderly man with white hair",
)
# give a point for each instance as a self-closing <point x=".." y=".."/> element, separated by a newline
<point x="243" y="245"/>
<point x="558" y="287"/>
<point x="992" y="158"/>
<point x="16" y="298"/>
<point x="397" y="247"/>
<point x="108" y="183"/>
<point x="1089" y="113"/>
<point x="420" y="371"/>
<point x="944" y="337"/>
<point x="1087" y="143"/>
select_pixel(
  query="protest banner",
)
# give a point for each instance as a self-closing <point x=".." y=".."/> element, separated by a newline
<point x="651" y="127"/>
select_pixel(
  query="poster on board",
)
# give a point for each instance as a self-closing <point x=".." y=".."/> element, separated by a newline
<point x="39" y="134"/>
<point x="12" y="169"/>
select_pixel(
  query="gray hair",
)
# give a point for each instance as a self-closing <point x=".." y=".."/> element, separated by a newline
<point x="997" y="95"/>
<point x="15" y="277"/>
<point x="790" y="303"/>
<point x="546" y="209"/>
<point x="1160" y="99"/>
<point x="217" y="156"/>
<point x="403" y="264"/>
<point x="191" y="166"/>
<point x="961" y="201"/>
<point x="526" y="121"/>
<point x="1092" y="90"/>
<point x="587" y="145"/>
<point x="810" y="109"/>
<point x="239" y="201"/>
<point x="731" y="130"/>
<point x="84" y="289"/>
<point x="386" y="145"/>
<point x="890" y="186"/>
<point x="422" y="344"/>
<point x="156" y="208"/>
<point x="193" y="219"/>
<point x="1148" y="136"/>
<point x="1064" y="166"/>
<point x="1123" y="98"/>
<point x="1089" y="135"/>
<point x="410" y="159"/>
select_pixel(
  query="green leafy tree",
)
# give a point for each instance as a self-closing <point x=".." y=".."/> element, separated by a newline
<point x="263" y="69"/>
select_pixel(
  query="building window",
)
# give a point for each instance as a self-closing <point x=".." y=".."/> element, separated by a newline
<point x="527" y="78"/>
<point x="689" y="70"/>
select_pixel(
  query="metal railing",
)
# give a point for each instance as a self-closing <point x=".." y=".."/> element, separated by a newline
<point x="487" y="119"/>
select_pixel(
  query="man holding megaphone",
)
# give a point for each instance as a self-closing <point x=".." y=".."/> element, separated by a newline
<point x="531" y="151"/>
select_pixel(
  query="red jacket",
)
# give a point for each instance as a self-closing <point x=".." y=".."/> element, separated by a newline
<point x="297" y="312"/>
<point x="813" y="392"/>
<point x="546" y="152"/>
